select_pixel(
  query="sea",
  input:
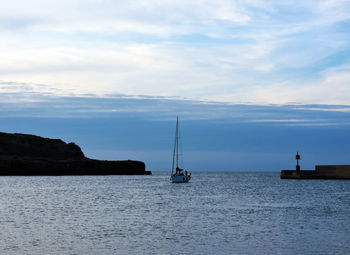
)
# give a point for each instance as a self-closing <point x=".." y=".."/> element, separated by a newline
<point x="215" y="213"/>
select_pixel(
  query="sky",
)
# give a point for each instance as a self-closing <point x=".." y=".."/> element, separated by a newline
<point x="252" y="81"/>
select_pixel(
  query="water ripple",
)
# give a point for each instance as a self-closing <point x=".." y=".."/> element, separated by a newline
<point x="216" y="213"/>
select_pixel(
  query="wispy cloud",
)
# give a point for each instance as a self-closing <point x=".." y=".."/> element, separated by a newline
<point x="254" y="51"/>
<point x="28" y="100"/>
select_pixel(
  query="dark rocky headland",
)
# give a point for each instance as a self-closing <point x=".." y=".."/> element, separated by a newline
<point x="22" y="154"/>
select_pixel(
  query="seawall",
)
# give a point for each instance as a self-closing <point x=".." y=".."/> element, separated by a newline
<point x="320" y="172"/>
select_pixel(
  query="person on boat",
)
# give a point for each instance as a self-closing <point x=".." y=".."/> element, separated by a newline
<point x="179" y="171"/>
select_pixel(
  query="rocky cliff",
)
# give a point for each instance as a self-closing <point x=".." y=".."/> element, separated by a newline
<point x="22" y="154"/>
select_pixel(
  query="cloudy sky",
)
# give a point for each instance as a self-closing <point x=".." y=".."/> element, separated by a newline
<point x="246" y="69"/>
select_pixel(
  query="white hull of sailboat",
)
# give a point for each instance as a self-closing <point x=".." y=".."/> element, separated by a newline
<point x="179" y="178"/>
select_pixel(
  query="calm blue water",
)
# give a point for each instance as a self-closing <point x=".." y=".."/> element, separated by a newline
<point x="216" y="213"/>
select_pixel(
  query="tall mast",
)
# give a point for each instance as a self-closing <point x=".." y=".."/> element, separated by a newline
<point x="177" y="141"/>
<point x="175" y="147"/>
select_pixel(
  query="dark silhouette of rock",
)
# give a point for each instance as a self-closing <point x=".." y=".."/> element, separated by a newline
<point x="22" y="154"/>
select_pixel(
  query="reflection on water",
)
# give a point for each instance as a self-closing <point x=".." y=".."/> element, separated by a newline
<point x="216" y="213"/>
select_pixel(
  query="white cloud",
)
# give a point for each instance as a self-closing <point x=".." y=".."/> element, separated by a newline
<point x="232" y="51"/>
<point x="334" y="88"/>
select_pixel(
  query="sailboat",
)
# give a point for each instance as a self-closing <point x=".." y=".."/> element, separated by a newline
<point x="178" y="175"/>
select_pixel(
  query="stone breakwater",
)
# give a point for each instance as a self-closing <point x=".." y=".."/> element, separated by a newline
<point x="320" y="172"/>
<point x="22" y="154"/>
